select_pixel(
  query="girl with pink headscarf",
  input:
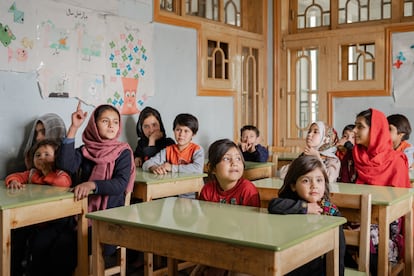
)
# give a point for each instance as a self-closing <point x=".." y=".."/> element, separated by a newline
<point x="104" y="166"/>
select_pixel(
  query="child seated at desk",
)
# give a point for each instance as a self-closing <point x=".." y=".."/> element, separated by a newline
<point x="44" y="170"/>
<point x="151" y="135"/>
<point x="250" y="146"/>
<point x="320" y="142"/>
<point x="184" y="156"/>
<point x="104" y="165"/>
<point x="227" y="186"/>
<point x="305" y="190"/>
<point x="225" y="170"/>
<point x="48" y="126"/>
<point x="377" y="163"/>
<point x="37" y="249"/>
<point x="345" y="145"/>
<point x="400" y="130"/>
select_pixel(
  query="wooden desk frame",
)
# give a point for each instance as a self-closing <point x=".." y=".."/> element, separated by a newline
<point x="227" y="256"/>
<point x="258" y="173"/>
<point x="148" y="192"/>
<point x="382" y="215"/>
<point x="171" y="188"/>
<point x="42" y="212"/>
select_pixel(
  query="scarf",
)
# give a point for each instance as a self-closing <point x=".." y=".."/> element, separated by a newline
<point x="104" y="153"/>
<point x="380" y="164"/>
<point x="329" y="138"/>
<point x="55" y="129"/>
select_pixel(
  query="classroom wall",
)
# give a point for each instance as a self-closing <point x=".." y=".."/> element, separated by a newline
<point x="175" y="53"/>
<point x="345" y="110"/>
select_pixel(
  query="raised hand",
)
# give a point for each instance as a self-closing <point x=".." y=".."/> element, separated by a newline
<point x="78" y="117"/>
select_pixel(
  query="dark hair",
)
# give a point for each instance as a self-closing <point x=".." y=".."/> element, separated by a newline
<point x="188" y="120"/>
<point x="145" y="113"/>
<point x="348" y="127"/>
<point x="301" y="166"/>
<point x="55" y="144"/>
<point x="100" y="109"/>
<point x="250" y="127"/>
<point x="401" y="123"/>
<point x="216" y="151"/>
<point x="367" y="114"/>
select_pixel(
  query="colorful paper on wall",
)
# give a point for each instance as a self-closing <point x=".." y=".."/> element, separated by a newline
<point x="78" y="52"/>
<point x="17" y="36"/>
<point x="129" y="69"/>
<point x="403" y="68"/>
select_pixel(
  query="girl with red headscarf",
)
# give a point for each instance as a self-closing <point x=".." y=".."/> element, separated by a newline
<point x="375" y="160"/>
<point x="377" y="163"/>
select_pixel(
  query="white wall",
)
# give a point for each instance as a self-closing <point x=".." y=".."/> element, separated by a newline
<point x="345" y="110"/>
<point x="175" y="53"/>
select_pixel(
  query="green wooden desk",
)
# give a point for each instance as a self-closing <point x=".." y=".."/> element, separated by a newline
<point x="150" y="186"/>
<point x="284" y="158"/>
<point x="237" y="238"/>
<point x="40" y="203"/>
<point x="253" y="170"/>
<point x="388" y="204"/>
<point x="257" y="170"/>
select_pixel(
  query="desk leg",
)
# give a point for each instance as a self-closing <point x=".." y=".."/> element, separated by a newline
<point x="384" y="235"/>
<point x="97" y="251"/>
<point x="148" y="264"/>
<point x="408" y="237"/>
<point x="83" y="258"/>
<point x="5" y="243"/>
<point x="332" y="257"/>
<point x="172" y="266"/>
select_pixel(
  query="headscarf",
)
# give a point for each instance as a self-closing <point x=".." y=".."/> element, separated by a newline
<point x="379" y="164"/>
<point x="104" y="153"/>
<point x="328" y="140"/>
<point x="145" y="113"/>
<point x="55" y="129"/>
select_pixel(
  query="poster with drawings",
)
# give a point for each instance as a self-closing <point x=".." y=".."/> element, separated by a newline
<point x="129" y="70"/>
<point x="71" y="47"/>
<point x="17" y="36"/>
<point x="403" y="68"/>
<point x="82" y="53"/>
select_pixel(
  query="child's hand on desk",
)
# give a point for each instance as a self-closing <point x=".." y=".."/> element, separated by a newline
<point x="314" y="208"/>
<point x="84" y="189"/>
<point x="161" y="169"/>
<point x="14" y="184"/>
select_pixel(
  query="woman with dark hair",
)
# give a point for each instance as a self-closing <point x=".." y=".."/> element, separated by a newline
<point x="151" y="135"/>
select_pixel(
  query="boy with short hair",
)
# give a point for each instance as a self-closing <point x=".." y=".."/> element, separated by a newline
<point x="249" y="145"/>
<point x="184" y="155"/>
<point x="400" y="130"/>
